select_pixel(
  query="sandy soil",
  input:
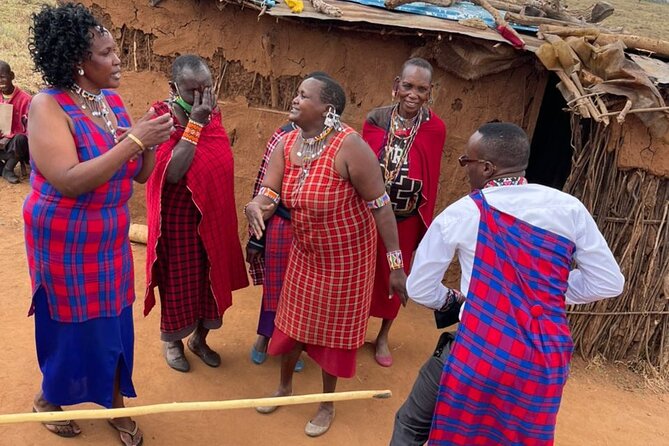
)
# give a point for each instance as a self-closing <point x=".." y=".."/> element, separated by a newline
<point x="596" y="410"/>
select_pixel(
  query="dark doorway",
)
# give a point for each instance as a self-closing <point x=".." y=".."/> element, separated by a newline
<point x="550" y="156"/>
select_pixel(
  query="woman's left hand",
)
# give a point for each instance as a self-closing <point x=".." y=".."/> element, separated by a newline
<point x="398" y="281"/>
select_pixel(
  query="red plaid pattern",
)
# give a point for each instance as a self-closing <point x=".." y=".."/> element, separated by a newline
<point x="257" y="268"/>
<point x="327" y="291"/>
<point x="278" y="239"/>
<point x="78" y="248"/>
<point x="210" y="180"/>
<point x="182" y="267"/>
<point x="502" y="383"/>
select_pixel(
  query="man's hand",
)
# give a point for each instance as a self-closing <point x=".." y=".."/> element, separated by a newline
<point x="398" y="281"/>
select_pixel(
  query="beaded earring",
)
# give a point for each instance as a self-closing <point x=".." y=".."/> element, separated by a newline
<point x="80" y="71"/>
<point x="332" y="119"/>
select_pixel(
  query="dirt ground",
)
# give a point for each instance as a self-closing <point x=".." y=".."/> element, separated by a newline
<point x="598" y="407"/>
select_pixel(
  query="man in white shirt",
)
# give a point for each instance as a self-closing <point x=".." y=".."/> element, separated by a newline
<point x="503" y="373"/>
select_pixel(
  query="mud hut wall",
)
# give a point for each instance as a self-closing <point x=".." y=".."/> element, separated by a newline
<point x="259" y="63"/>
<point x="639" y="149"/>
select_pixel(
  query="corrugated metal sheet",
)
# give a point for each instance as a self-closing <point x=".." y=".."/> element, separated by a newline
<point x="459" y="11"/>
<point x="355" y="13"/>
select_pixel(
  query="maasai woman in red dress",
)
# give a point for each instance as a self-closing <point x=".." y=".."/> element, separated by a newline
<point x="408" y="139"/>
<point x="328" y="178"/>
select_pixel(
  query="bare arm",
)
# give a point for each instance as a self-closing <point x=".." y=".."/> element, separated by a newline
<point x="262" y="208"/>
<point x="53" y="149"/>
<point x="184" y="152"/>
<point x="356" y="162"/>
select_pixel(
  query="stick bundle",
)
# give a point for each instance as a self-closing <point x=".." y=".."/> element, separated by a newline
<point x="631" y="209"/>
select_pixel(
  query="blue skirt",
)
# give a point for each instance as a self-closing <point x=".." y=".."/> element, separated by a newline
<point x="79" y="360"/>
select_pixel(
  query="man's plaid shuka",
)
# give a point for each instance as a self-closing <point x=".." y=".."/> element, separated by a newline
<point x="502" y="383"/>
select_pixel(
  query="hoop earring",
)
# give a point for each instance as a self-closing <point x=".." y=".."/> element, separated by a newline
<point x="332" y="119"/>
<point x="80" y="71"/>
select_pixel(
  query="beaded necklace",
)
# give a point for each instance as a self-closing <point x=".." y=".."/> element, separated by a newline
<point x="98" y="106"/>
<point x="506" y="181"/>
<point x="310" y="149"/>
<point x="399" y="141"/>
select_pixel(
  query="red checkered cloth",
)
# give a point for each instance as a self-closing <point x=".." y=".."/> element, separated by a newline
<point x="424" y="161"/>
<point x="210" y="179"/>
<point x="327" y="291"/>
<point x="257" y="267"/>
<point x="278" y="239"/>
<point x="181" y="268"/>
<point x="502" y="382"/>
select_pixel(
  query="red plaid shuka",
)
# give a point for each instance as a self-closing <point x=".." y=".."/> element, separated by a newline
<point x="257" y="268"/>
<point x="210" y="181"/>
<point x="327" y="290"/>
<point x="78" y="248"/>
<point x="424" y="162"/>
<point x="278" y="239"/>
<point x="182" y="268"/>
<point x="502" y="383"/>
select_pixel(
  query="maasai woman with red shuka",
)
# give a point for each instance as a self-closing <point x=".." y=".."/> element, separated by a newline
<point x="194" y="256"/>
<point x="408" y="138"/>
<point x="328" y="178"/>
<point x="77" y="219"/>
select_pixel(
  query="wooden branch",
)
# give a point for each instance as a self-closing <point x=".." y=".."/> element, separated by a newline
<point x="536" y="21"/>
<point x="656" y="46"/>
<point x="568" y="31"/>
<point x="621" y="116"/>
<point x="96" y="414"/>
<point x="499" y="21"/>
<point x="640" y="110"/>
<point x="138" y="233"/>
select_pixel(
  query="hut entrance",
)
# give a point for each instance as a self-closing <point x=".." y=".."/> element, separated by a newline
<point x="551" y="153"/>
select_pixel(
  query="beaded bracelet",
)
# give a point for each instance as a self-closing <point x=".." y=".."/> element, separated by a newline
<point x="269" y="193"/>
<point x="395" y="260"/>
<point x="379" y="202"/>
<point x="192" y="132"/>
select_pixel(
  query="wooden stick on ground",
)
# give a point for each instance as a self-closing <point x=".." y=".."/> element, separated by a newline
<point x="196" y="406"/>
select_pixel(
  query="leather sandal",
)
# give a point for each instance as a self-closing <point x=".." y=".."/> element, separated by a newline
<point x="133" y="434"/>
<point x="56" y="427"/>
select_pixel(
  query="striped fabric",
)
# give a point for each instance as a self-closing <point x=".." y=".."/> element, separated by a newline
<point x="182" y="267"/>
<point x="327" y="291"/>
<point x="502" y="383"/>
<point x="278" y="239"/>
<point x="257" y="268"/>
<point x="78" y="248"/>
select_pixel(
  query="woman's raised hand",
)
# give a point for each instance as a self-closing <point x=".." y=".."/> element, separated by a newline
<point x="151" y="130"/>
<point x="203" y="104"/>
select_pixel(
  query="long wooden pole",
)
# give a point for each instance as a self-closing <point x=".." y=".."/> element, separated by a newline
<point x="94" y="414"/>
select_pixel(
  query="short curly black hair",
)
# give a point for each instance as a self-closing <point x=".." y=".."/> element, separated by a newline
<point x="60" y="39"/>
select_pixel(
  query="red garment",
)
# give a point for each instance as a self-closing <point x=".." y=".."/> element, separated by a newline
<point x="424" y="161"/>
<point x="337" y="362"/>
<point x="410" y="231"/>
<point x="327" y="290"/>
<point x="181" y="268"/>
<point x="210" y="180"/>
<point x="20" y="100"/>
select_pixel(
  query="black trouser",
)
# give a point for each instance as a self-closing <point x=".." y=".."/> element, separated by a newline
<point x="15" y="151"/>
<point x="414" y="419"/>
